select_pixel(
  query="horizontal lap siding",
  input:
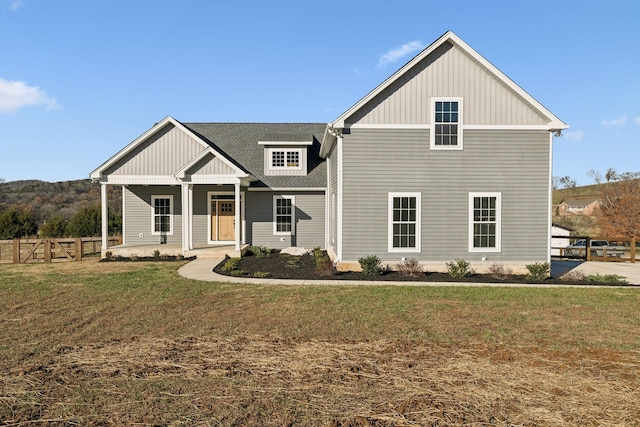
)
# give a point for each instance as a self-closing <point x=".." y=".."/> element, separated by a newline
<point x="515" y="163"/>
<point x="310" y="220"/>
<point x="332" y="199"/>
<point x="137" y="218"/>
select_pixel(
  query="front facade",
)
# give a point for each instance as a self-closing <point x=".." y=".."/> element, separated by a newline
<point x="446" y="159"/>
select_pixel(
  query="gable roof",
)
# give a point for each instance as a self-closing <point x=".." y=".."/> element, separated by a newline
<point x="206" y="148"/>
<point x="554" y="123"/>
<point x="239" y="142"/>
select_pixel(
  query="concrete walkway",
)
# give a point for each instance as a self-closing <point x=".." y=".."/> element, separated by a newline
<point x="202" y="269"/>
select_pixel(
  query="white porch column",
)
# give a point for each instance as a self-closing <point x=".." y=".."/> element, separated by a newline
<point x="237" y="224"/>
<point x="186" y="214"/>
<point x="104" y="204"/>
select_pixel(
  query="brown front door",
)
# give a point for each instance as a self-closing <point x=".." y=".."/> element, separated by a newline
<point x="223" y="217"/>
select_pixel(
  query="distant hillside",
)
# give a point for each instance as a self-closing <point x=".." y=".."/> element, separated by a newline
<point x="64" y="198"/>
<point x="585" y="192"/>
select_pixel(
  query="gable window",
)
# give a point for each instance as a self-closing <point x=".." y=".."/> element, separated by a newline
<point x="283" y="215"/>
<point x="484" y="222"/>
<point x="446" y="132"/>
<point x="286" y="159"/>
<point x="161" y="215"/>
<point x="404" y="222"/>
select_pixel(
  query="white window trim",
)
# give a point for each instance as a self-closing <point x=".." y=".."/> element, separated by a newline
<point x="293" y="216"/>
<point x="498" y="196"/>
<point x="153" y="215"/>
<point x="432" y="143"/>
<point x="418" y="246"/>
<point x="270" y="152"/>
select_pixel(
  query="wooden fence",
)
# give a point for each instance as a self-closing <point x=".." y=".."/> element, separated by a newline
<point x="21" y="251"/>
<point x="619" y="250"/>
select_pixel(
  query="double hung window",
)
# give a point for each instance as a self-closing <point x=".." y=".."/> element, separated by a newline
<point x="447" y="123"/>
<point x="283" y="215"/>
<point x="484" y="222"/>
<point x="161" y="215"/>
<point x="404" y="222"/>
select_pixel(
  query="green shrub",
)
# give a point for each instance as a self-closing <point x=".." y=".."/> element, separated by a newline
<point x="409" y="267"/>
<point x="371" y="265"/>
<point x="293" y="263"/>
<point x="459" y="268"/>
<point x="231" y="264"/>
<point x="17" y="223"/>
<point x="237" y="273"/>
<point x="156" y="254"/>
<point x="260" y="251"/>
<point x="609" y="279"/>
<point x="499" y="271"/>
<point x="538" y="272"/>
<point x="261" y="274"/>
<point x="108" y="255"/>
<point x="54" y="227"/>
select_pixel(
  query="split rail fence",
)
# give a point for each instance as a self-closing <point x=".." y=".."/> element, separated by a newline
<point x="22" y="251"/>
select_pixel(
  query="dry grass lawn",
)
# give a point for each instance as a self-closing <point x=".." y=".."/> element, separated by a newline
<point x="135" y="344"/>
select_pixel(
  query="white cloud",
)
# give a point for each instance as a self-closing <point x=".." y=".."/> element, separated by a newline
<point x="574" y="135"/>
<point x="16" y="4"/>
<point x="637" y="120"/>
<point x="614" y="122"/>
<point x="398" y="53"/>
<point x="15" y="95"/>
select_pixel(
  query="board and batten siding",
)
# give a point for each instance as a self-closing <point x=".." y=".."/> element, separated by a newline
<point x="138" y="216"/>
<point x="211" y="165"/>
<point x="309" y="220"/>
<point x="448" y="72"/>
<point x="514" y="163"/>
<point x="164" y="153"/>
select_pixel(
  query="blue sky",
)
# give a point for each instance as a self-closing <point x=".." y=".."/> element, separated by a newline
<point x="79" y="80"/>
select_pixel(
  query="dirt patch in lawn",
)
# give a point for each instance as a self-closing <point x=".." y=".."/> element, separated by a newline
<point x="270" y="381"/>
<point x="283" y="266"/>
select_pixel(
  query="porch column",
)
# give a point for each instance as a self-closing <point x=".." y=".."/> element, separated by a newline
<point x="104" y="205"/>
<point x="186" y="214"/>
<point x="237" y="224"/>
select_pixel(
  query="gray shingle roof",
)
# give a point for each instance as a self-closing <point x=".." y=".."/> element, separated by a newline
<point x="238" y="142"/>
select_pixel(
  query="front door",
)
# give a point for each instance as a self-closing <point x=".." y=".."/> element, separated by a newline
<point x="223" y="218"/>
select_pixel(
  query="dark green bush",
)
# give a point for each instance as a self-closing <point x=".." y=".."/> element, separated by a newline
<point x="371" y="265"/>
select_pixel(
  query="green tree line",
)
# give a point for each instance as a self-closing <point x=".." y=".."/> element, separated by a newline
<point x="19" y="222"/>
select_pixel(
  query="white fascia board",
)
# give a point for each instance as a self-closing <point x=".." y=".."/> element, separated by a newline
<point x="140" y="180"/>
<point x="505" y="127"/>
<point x="285" y="142"/>
<point x="328" y="140"/>
<point x="213" y="179"/>
<point x="554" y="122"/>
<point x="288" y="189"/>
<point x="390" y="126"/>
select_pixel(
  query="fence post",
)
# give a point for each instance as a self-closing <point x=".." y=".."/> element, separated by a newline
<point x="588" y="248"/>
<point x="16" y="251"/>
<point x="633" y="249"/>
<point x="79" y="249"/>
<point x="46" y="244"/>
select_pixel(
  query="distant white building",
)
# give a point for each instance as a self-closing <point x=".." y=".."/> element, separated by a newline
<point x="559" y="242"/>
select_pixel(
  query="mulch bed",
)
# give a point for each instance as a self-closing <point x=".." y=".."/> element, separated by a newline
<point x="280" y="266"/>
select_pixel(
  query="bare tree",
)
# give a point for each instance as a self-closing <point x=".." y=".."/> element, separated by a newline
<point x="619" y="211"/>
<point x="565" y="182"/>
<point x="597" y="177"/>
<point x="610" y="175"/>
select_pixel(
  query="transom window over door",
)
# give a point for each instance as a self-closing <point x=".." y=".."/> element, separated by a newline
<point x="283" y="215"/>
<point x="485" y="222"/>
<point x="162" y="214"/>
<point x="404" y="222"/>
<point x="447" y="123"/>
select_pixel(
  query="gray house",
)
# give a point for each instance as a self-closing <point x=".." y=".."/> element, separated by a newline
<point x="448" y="158"/>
